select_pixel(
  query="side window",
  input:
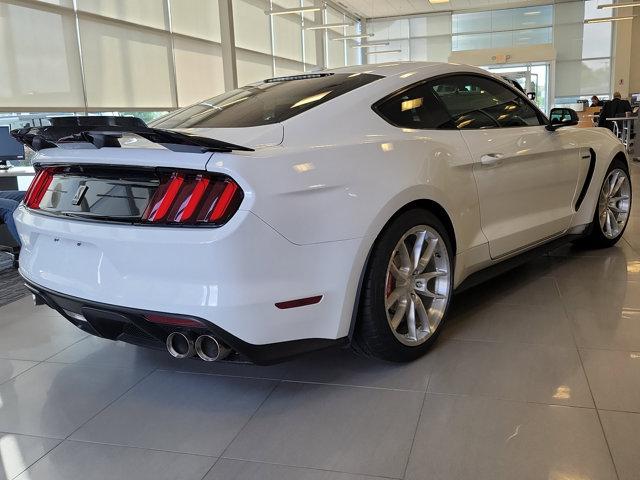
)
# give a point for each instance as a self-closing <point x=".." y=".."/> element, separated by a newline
<point x="417" y="107"/>
<point x="478" y="102"/>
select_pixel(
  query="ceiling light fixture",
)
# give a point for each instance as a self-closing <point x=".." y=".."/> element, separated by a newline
<point x="329" y="25"/>
<point x="286" y="11"/>
<point x="435" y="2"/>
<point x="620" y="5"/>
<point x="609" y="19"/>
<point x="353" y="37"/>
<point x="370" y="45"/>
<point x="383" y="51"/>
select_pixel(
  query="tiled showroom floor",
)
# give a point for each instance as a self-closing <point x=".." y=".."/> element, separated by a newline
<point x="536" y="376"/>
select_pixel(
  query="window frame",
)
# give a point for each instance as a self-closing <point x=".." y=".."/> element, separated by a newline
<point x="542" y="118"/>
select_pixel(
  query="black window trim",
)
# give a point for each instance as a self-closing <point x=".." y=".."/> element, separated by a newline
<point x="542" y="118"/>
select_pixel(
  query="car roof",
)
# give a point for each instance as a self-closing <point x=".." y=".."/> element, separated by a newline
<point x="392" y="69"/>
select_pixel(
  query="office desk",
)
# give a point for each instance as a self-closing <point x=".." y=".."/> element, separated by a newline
<point x="16" y="178"/>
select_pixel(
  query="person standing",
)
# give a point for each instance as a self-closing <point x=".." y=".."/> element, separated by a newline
<point x="613" y="108"/>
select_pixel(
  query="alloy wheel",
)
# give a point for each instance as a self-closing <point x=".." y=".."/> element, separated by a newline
<point x="417" y="286"/>
<point x="614" y="203"/>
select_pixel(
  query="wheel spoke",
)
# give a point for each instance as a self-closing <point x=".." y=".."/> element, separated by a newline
<point x="614" y="208"/>
<point x="618" y="199"/>
<point x="393" y="298"/>
<point x="616" y="186"/>
<point x="396" y="272"/>
<point x="425" y="324"/>
<point x="429" y="294"/>
<point x="612" y="182"/>
<point x="432" y="243"/>
<point x="416" y="253"/>
<point x="405" y="258"/>
<point x="607" y="225"/>
<point x="398" y="315"/>
<point x="411" y="320"/>
<point x="425" y="277"/>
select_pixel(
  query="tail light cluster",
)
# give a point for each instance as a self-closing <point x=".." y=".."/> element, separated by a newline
<point x="190" y="199"/>
<point x="38" y="187"/>
<point x="181" y="197"/>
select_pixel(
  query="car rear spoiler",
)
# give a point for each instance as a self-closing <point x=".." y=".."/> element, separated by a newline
<point x="105" y="132"/>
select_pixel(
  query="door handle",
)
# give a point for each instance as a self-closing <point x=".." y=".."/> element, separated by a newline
<point x="491" y="159"/>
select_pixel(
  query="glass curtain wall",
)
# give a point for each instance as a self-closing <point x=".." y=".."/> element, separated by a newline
<point x="419" y="38"/>
<point x="515" y="27"/>
<point x="108" y="55"/>
<point x="277" y="45"/>
<point x="583" y="62"/>
<point x="147" y="55"/>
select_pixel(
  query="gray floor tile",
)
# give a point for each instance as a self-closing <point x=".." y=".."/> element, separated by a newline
<point x="600" y="296"/>
<point x="516" y="288"/>
<point x="337" y="366"/>
<point x="610" y="267"/>
<point x="180" y="412"/>
<point x="18" y="452"/>
<point x="609" y="330"/>
<point x="621" y="248"/>
<point x="461" y="438"/>
<point x="99" y="351"/>
<point x="347" y="429"/>
<point x="87" y="461"/>
<point x="621" y="430"/>
<point x="12" y="368"/>
<point x="345" y="367"/>
<point x="52" y="400"/>
<point x="614" y="377"/>
<point x="511" y="323"/>
<point x="227" y="469"/>
<point x="535" y="373"/>
<point x="36" y="337"/>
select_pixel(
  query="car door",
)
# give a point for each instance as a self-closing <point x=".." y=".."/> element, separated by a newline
<point x="527" y="176"/>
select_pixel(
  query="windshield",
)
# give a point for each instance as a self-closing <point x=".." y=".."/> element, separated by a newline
<point x="269" y="102"/>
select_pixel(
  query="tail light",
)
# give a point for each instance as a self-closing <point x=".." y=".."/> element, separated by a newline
<point x="38" y="187"/>
<point x="184" y="198"/>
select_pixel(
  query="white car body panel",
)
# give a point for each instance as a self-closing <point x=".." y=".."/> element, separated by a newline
<point x="318" y="190"/>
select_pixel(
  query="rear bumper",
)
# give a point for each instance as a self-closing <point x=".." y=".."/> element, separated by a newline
<point x="231" y="277"/>
<point x="129" y="325"/>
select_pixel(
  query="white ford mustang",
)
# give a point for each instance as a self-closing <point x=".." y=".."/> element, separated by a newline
<point x="305" y="211"/>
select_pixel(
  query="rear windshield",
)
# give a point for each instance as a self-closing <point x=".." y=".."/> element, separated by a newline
<point x="270" y="102"/>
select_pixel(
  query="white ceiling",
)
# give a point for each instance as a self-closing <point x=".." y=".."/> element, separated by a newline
<point x="391" y="8"/>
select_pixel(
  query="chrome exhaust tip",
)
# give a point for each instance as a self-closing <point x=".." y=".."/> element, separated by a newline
<point x="210" y="349"/>
<point x="179" y="345"/>
<point x="37" y="299"/>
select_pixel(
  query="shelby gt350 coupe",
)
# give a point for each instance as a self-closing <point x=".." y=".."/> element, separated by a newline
<point x="343" y="206"/>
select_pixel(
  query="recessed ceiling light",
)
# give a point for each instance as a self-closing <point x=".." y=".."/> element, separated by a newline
<point x="438" y="1"/>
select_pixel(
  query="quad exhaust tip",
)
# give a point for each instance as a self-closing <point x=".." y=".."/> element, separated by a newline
<point x="210" y="349"/>
<point x="180" y="345"/>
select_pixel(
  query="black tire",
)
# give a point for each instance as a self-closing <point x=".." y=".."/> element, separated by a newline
<point x="596" y="238"/>
<point x="373" y="334"/>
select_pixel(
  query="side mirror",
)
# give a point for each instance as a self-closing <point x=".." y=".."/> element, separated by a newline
<point x="562" y="117"/>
